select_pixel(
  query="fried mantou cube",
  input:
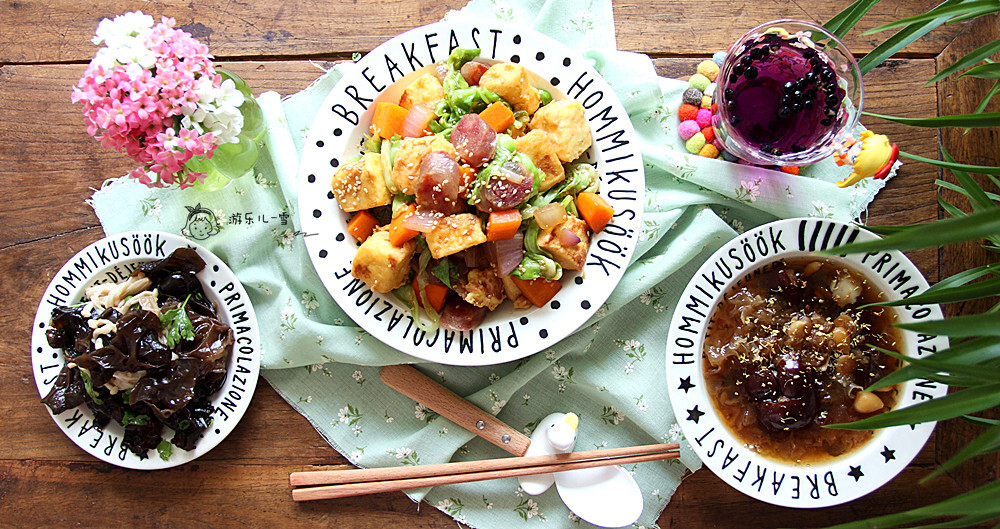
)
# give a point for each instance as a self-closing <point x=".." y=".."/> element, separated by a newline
<point x="541" y="148"/>
<point x="380" y="264"/>
<point x="566" y="123"/>
<point x="359" y="185"/>
<point x="510" y="81"/>
<point x="425" y="90"/>
<point x="453" y="234"/>
<point x="570" y="257"/>
<point x="406" y="166"/>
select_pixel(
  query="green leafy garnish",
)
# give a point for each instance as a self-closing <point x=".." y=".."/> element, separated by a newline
<point x="536" y="262"/>
<point x="165" y="449"/>
<point x="443" y="270"/>
<point x="183" y="424"/>
<point x="132" y="418"/>
<point x="88" y="385"/>
<point x="177" y="324"/>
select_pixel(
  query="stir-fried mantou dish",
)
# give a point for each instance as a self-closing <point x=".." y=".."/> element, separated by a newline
<point x="470" y="191"/>
<point x="147" y="352"/>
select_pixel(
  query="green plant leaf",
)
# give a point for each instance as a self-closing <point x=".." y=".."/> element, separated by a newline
<point x="965" y="276"/>
<point x="901" y="39"/>
<point x="984" y="443"/>
<point x="982" y="289"/>
<point x="977" y="197"/>
<point x="976" y="502"/>
<point x="969" y="352"/>
<point x="978" y="169"/>
<point x="986" y="100"/>
<point x="952" y="405"/>
<point x="950" y="208"/>
<point x="976" y="375"/>
<point x="961" y="9"/>
<point x="842" y="23"/>
<point x="975" y="121"/>
<point x="959" y="189"/>
<point x="969" y="59"/>
<point x="983" y="71"/>
<point x="964" y="521"/>
<point x="980" y="421"/>
<point x="937" y="233"/>
<point x="959" y="326"/>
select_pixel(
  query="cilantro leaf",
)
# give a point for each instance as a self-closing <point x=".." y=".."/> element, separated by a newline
<point x="177" y="324"/>
<point x="132" y="418"/>
<point x="88" y="385"/>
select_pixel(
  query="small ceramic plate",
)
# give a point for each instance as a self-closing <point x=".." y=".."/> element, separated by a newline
<point x="336" y="134"/>
<point x="830" y="482"/>
<point x="113" y="259"/>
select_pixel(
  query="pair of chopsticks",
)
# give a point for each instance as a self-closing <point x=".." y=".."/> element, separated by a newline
<point x="329" y="484"/>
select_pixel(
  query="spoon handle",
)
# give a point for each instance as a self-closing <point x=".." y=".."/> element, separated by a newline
<point x="414" y="384"/>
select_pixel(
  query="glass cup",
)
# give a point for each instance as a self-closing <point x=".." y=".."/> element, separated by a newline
<point x="786" y="93"/>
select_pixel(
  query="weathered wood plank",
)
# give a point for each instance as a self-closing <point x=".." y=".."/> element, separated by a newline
<point x="60" y="30"/>
<point x="979" y="147"/>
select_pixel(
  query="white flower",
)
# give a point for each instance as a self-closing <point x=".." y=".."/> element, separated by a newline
<point x="656" y="492"/>
<point x="630" y="345"/>
<point x="357" y="375"/>
<point x="355" y="456"/>
<point x="356" y="429"/>
<point x="344" y="415"/>
<point x="573" y="517"/>
<point x="315" y="367"/>
<point x="494" y="378"/>
<point x="561" y="388"/>
<point x="400" y="453"/>
<point x="559" y="372"/>
<point x="646" y="297"/>
<point x="445" y="504"/>
<point x="498" y="405"/>
<point x="420" y="412"/>
<point x="532" y="509"/>
<point x="643" y="406"/>
<point x="550" y="355"/>
<point x="629" y="367"/>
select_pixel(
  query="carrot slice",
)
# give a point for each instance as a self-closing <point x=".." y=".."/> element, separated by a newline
<point x="503" y="224"/>
<point x="498" y="116"/>
<point x="387" y="119"/>
<point x="436" y="294"/>
<point x="595" y="210"/>
<point x="537" y="291"/>
<point x="399" y="234"/>
<point x="361" y="225"/>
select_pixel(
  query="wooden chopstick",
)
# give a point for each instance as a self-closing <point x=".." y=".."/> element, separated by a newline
<point x="335" y="477"/>
<point x="373" y="481"/>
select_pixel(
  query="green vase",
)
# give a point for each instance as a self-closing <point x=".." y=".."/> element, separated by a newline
<point x="232" y="160"/>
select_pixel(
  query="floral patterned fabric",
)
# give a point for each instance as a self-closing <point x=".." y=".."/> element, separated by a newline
<point x="610" y="372"/>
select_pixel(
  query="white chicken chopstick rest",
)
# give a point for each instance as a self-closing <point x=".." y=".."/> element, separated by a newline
<point x="604" y="496"/>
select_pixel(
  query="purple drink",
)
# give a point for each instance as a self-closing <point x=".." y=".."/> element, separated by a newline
<point x="780" y="99"/>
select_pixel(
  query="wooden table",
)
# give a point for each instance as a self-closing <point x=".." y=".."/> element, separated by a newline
<point x="49" y="166"/>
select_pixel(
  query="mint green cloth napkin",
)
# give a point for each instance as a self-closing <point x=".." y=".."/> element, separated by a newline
<point x="610" y="372"/>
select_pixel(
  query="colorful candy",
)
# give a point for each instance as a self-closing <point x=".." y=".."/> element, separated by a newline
<point x="687" y="129"/>
<point x="695" y="143"/>
<point x="703" y="117"/>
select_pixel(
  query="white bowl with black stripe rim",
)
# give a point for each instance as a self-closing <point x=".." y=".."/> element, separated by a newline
<point x="821" y="484"/>
<point x="113" y="259"/>
<point x="336" y="134"/>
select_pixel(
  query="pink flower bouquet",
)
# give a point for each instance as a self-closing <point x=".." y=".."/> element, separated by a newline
<point x="153" y="92"/>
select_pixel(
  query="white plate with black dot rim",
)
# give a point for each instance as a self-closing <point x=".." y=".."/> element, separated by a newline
<point x="336" y="134"/>
<point x="113" y="259"/>
<point x="831" y="482"/>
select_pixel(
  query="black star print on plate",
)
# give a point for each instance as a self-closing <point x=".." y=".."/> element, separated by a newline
<point x="889" y="455"/>
<point x="694" y="414"/>
<point x="856" y="473"/>
<point x="686" y="384"/>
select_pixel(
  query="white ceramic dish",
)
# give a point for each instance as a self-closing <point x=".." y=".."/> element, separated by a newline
<point x="507" y="334"/>
<point x="832" y="482"/>
<point x="113" y="259"/>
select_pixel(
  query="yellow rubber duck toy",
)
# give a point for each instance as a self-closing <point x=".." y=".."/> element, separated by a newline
<point x="870" y="155"/>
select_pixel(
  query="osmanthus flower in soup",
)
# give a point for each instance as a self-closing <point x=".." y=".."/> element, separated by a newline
<point x="791" y="349"/>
